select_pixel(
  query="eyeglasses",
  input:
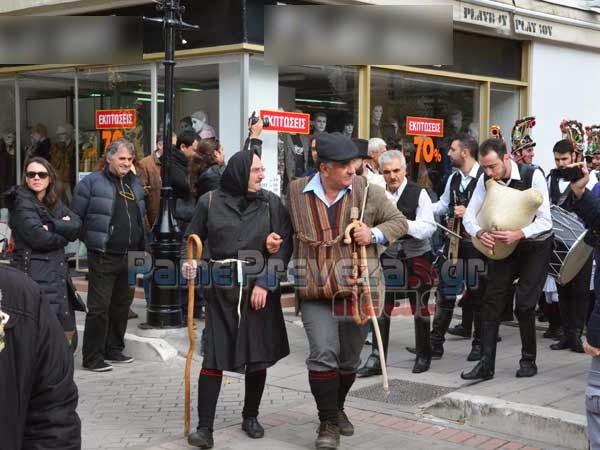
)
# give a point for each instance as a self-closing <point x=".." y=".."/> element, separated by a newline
<point x="257" y="170"/>
<point x="41" y="175"/>
<point x="394" y="171"/>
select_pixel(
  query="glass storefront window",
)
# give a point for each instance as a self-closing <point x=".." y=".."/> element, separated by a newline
<point x="46" y="123"/>
<point x="112" y="89"/>
<point x="8" y="153"/>
<point x="504" y="108"/>
<point x="396" y="95"/>
<point x="330" y="95"/>
<point x="196" y="99"/>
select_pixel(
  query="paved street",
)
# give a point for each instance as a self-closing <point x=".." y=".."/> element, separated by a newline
<point x="140" y="406"/>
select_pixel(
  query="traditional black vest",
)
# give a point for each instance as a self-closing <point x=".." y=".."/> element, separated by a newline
<point x="461" y="198"/>
<point x="409" y="200"/>
<point x="526" y="172"/>
<point x="564" y="200"/>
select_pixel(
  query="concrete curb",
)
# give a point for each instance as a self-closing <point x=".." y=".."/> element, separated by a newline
<point x="144" y="348"/>
<point x="548" y="425"/>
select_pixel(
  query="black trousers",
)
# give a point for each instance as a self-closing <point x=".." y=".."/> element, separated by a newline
<point x="528" y="263"/>
<point x="573" y="299"/>
<point x="109" y="299"/>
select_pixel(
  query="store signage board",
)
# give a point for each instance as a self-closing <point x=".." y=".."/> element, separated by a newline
<point x="424" y="126"/>
<point x="110" y="119"/>
<point x="555" y="31"/>
<point x="485" y="17"/>
<point x="286" y="122"/>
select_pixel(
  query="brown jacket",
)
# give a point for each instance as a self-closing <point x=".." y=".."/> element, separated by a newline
<point x="149" y="172"/>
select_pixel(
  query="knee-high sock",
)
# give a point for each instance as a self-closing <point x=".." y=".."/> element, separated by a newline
<point x="209" y="386"/>
<point x="346" y="382"/>
<point x="255" y="385"/>
<point x="324" y="387"/>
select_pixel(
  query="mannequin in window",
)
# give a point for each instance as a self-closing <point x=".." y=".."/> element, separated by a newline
<point x="296" y="148"/>
<point x="319" y="123"/>
<point x="348" y="129"/>
<point x="8" y="164"/>
<point x="377" y="126"/>
<point x="39" y="144"/>
<point x="62" y="158"/>
<point x="200" y="124"/>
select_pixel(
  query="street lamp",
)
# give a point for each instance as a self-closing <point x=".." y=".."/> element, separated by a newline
<point x="164" y="308"/>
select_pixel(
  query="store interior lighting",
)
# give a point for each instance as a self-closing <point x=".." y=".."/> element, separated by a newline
<point x="311" y="100"/>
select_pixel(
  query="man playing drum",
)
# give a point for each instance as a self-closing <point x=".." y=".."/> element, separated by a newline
<point x="572" y="297"/>
<point x="528" y="262"/>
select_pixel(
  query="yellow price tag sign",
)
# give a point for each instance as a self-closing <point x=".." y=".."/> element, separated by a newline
<point x="426" y="150"/>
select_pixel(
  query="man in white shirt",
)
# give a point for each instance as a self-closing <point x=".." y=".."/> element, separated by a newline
<point x="407" y="263"/>
<point x="528" y="263"/>
<point x="455" y="277"/>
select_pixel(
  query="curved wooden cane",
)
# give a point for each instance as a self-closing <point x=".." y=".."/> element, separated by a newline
<point x="360" y="275"/>
<point x="193" y="241"/>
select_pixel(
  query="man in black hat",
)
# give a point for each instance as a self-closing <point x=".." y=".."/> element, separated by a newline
<point x="320" y="207"/>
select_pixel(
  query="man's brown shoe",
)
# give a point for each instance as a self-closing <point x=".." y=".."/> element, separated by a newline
<point x="344" y="424"/>
<point x="329" y="436"/>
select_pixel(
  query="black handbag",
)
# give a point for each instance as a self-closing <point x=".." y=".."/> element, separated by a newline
<point x="74" y="298"/>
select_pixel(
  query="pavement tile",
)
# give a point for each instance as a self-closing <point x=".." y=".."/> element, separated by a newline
<point x="513" y="445"/>
<point x="492" y="444"/>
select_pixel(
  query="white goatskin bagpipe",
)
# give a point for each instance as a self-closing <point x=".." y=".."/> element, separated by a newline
<point x="505" y="209"/>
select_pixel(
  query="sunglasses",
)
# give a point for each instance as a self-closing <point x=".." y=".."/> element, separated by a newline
<point x="41" y="175"/>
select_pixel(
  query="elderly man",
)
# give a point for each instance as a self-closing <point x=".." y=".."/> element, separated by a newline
<point x="408" y="259"/>
<point x="110" y="203"/>
<point x="320" y="208"/>
<point x="376" y="148"/>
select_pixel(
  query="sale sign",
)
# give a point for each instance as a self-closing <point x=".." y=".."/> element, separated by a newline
<point x="424" y="126"/>
<point x="107" y="119"/>
<point x="296" y="123"/>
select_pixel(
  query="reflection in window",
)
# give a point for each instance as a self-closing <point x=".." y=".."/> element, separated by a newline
<point x="394" y="96"/>
<point x="8" y="153"/>
<point x="504" y="109"/>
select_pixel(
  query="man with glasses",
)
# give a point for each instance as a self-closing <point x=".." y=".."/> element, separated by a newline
<point x="320" y="208"/>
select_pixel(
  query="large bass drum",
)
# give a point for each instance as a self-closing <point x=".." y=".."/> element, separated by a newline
<point x="570" y="251"/>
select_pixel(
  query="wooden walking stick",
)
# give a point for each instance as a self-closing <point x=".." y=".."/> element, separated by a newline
<point x="193" y="240"/>
<point x="360" y="275"/>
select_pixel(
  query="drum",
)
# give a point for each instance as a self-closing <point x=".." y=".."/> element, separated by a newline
<point x="570" y="251"/>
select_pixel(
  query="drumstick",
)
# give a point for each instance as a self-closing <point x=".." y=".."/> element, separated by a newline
<point x="443" y="228"/>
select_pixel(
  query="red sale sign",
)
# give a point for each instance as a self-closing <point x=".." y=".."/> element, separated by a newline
<point x="424" y="126"/>
<point x="107" y="119"/>
<point x="287" y="122"/>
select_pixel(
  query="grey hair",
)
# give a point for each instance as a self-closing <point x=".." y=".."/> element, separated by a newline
<point x="114" y="146"/>
<point x="375" y="144"/>
<point x="386" y="157"/>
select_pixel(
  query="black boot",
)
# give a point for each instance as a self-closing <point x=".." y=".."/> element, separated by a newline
<point x="254" y="388"/>
<point x="575" y="341"/>
<point x="209" y="386"/>
<point x="423" y="344"/>
<point x="372" y="365"/>
<point x="484" y="369"/>
<point x="325" y="389"/>
<point x="527" y="367"/>
<point x="441" y="322"/>
<point x="463" y="329"/>
<point x="475" y="354"/>
<point x="563" y="341"/>
<point x="344" y="424"/>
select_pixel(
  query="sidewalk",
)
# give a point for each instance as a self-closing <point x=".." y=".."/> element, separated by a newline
<point x="140" y="406"/>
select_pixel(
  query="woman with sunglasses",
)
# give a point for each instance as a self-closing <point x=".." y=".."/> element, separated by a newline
<point x="42" y="226"/>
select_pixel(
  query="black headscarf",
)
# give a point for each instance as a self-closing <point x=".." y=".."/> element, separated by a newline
<point x="234" y="180"/>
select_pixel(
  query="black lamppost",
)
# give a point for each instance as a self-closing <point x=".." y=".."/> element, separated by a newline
<point x="164" y="308"/>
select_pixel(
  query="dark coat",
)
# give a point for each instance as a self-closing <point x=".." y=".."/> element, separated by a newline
<point x="208" y="180"/>
<point x="93" y="201"/>
<point x="40" y="253"/>
<point x="261" y="339"/>
<point x="37" y="392"/>
<point x="182" y="193"/>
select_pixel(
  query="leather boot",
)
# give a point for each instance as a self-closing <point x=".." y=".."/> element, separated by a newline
<point x="329" y="436"/>
<point x="527" y="367"/>
<point x="372" y="365"/>
<point x="475" y="354"/>
<point x="423" y="344"/>
<point x="463" y="329"/>
<point x="202" y="437"/>
<point x="484" y="369"/>
<point x="575" y="341"/>
<point x="441" y="322"/>
<point x="563" y="341"/>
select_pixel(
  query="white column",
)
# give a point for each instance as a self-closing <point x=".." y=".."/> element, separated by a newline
<point x="230" y="107"/>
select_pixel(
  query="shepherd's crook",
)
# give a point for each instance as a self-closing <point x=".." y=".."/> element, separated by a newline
<point x="362" y="276"/>
<point x="193" y="240"/>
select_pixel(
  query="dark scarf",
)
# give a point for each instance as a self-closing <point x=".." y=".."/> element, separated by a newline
<point x="234" y="180"/>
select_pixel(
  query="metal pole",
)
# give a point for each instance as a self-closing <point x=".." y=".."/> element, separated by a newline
<point x="164" y="307"/>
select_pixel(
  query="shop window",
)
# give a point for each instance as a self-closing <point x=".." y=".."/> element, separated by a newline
<point x="395" y="95"/>
<point x="46" y="124"/>
<point x="110" y="89"/>
<point x="330" y="95"/>
<point x="504" y="109"/>
<point x="196" y="99"/>
<point x="8" y="152"/>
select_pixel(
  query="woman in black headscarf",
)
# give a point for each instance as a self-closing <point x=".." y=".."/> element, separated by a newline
<point x="247" y="229"/>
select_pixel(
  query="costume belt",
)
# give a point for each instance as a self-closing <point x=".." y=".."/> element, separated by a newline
<point x="240" y="279"/>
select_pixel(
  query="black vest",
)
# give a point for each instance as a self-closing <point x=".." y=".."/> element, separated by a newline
<point x="409" y="200"/>
<point x="461" y="198"/>
<point x="526" y="172"/>
<point x="564" y="200"/>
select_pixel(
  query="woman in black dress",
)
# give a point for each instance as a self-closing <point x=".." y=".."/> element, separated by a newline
<point x="245" y="331"/>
